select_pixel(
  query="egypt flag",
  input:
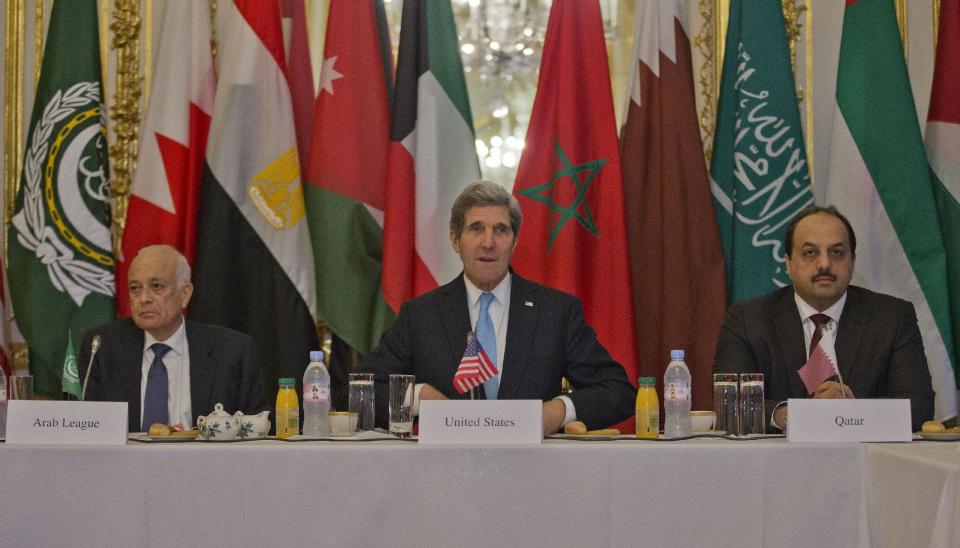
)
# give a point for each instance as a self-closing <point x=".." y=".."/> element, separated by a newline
<point x="166" y="189"/>
<point x="569" y="184"/>
<point x="676" y="259"/>
<point x="254" y="270"/>
<point x="943" y="152"/>
<point x="879" y="178"/>
<point x="344" y="188"/>
<point x="432" y="153"/>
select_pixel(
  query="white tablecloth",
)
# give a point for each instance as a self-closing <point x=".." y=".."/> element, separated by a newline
<point x="561" y="493"/>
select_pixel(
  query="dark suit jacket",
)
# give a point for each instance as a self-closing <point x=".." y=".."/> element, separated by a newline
<point x="223" y="368"/>
<point x="878" y="345"/>
<point x="546" y="340"/>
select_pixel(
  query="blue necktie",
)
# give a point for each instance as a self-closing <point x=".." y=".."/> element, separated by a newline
<point x="488" y="340"/>
<point x="155" y="397"/>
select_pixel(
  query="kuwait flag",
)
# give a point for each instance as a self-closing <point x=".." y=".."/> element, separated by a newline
<point x="675" y="254"/>
<point x="254" y="270"/>
<point x="345" y="192"/>
<point x="879" y="178"/>
<point x="166" y="190"/>
<point x="569" y="184"/>
<point x="943" y="152"/>
<point x="432" y="153"/>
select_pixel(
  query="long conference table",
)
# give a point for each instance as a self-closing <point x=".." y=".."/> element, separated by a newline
<point x="700" y="492"/>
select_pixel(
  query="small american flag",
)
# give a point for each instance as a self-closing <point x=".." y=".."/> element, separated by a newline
<point x="475" y="366"/>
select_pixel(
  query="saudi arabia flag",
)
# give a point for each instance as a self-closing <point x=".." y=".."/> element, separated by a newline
<point x="879" y="178"/>
<point x="60" y="245"/>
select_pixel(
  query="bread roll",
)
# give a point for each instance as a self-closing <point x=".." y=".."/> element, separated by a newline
<point x="933" y="427"/>
<point x="575" y="428"/>
<point x="157" y="429"/>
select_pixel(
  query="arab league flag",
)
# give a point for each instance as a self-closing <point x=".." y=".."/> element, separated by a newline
<point x="879" y="178"/>
<point x="433" y="156"/>
<point x="254" y="271"/>
<point x="759" y="173"/>
<point x="71" y="373"/>
<point x="165" y="192"/>
<point x="345" y="185"/>
<point x="569" y="185"/>
<point x="676" y="259"/>
<point x="59" y="243"/>
<point x="943" y="152"/>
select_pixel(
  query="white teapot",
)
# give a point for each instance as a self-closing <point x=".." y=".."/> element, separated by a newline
<point x="254" y="426"/>
<point x="219" y="425"/>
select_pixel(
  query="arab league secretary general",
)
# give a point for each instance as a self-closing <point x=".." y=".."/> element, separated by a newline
<point x="540" y="333"/>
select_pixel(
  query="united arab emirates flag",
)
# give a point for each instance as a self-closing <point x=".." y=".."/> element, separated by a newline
<point x="676" y="259"/>
<point x="569" y="183"/>
<point x="59" y="243"/>
<point x="345" y="188"/>
<point x="943" y="153"/>
<point x="432" y="153"/>
<point x="759" y="173"/>
<point x="879" y="178"/>
<point x="254" y="270"/>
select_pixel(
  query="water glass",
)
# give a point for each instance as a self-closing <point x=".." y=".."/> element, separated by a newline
<point x="401" y="405"/>
<point x="753" y="418"/>
<point x="361" y="400"/>
<point x="725" y="403"/>
<point x="21" y="387"/>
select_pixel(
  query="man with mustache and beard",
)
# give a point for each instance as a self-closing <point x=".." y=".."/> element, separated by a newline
<point x="878" y="346"/>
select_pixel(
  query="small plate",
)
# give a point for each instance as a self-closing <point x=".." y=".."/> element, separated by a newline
<point x="168" y="439"/>
<point x="583" y="437"/>
<point x="943" y="436"/>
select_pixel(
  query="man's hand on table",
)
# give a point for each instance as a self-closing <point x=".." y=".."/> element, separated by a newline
<point x="554" y="412"/>
<point x="831" y="390"/>
<point x="430" y="393"/>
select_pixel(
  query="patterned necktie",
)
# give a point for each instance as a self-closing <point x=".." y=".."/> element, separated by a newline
<point x="155" y="397"/>
<point x="488" y="340"/>
<point x="819" y="320"/>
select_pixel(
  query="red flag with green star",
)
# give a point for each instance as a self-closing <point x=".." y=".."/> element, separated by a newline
<point x="573" y="235"/>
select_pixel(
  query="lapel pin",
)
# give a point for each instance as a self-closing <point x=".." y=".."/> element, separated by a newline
<point x="528" y="303"/>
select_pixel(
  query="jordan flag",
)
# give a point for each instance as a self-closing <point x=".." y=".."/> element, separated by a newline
<point x="432" y="153"/>
<point x="569" y="185"/>
<point x="676" y="259"/>
<point x="345" y="184"/>
<point x="166" y="189"/>
<point x="254" y="270"/>
<point x="943" y="153"/>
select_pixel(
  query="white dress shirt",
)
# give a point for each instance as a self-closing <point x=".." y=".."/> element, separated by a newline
<point x="177" y="361"/>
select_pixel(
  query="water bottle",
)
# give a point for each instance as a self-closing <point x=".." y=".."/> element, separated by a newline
<point x="676" y="397"/>
<point x="3" y="404"/>
<point x="316" y="398"/>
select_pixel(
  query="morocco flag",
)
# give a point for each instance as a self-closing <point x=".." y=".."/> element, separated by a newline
<point x="573" y="236"/>
<point x="676" y="259"/>
<point x="879" y="178"/>
<point x="254" y="271"/>
<point x="943" y="153"/>
<point x="166" y="190"/>
<point x="345" y="184"/>
<point x="432" y="153"/>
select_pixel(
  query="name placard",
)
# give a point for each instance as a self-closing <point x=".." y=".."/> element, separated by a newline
<point x="67" y="422"/>
<point x="481" y="422"/>
<point x="848" y="420"/>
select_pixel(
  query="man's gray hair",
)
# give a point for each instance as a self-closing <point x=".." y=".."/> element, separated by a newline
<point x="183" y="267"/>
<point x="484" y="193"/>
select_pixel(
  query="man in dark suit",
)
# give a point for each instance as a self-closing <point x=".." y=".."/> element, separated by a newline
<point x="168" y="369"/>
<point x="540" y="333"/>
<point x="879" y="350"/>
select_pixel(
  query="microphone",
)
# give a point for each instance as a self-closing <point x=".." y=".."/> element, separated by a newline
<point x="94" y="346"/>
<point x="843" y="387"/>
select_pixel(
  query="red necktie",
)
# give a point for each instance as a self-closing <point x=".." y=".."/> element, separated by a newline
<point x="818" y="321"/>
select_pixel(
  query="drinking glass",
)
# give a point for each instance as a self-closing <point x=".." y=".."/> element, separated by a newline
<point x="362" y="400"/>
<point x="753" y="418"/>
<point x="725" y="404"/>
<point x="401" y="405"/>
<point x="21" y="387"/>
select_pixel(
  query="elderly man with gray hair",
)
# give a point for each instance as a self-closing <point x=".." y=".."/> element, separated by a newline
<point x="170" y="370"/>
<point x="535" y="335"/>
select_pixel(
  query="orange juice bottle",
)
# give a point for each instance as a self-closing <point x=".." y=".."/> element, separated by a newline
<point x="288" y="409"/>
<point x="648" y="409"/>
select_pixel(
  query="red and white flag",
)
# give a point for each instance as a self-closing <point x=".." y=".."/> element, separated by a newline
<point x="475" y="366"/>
<point x="821" y="365"/>
<point x="166" y="188"/>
